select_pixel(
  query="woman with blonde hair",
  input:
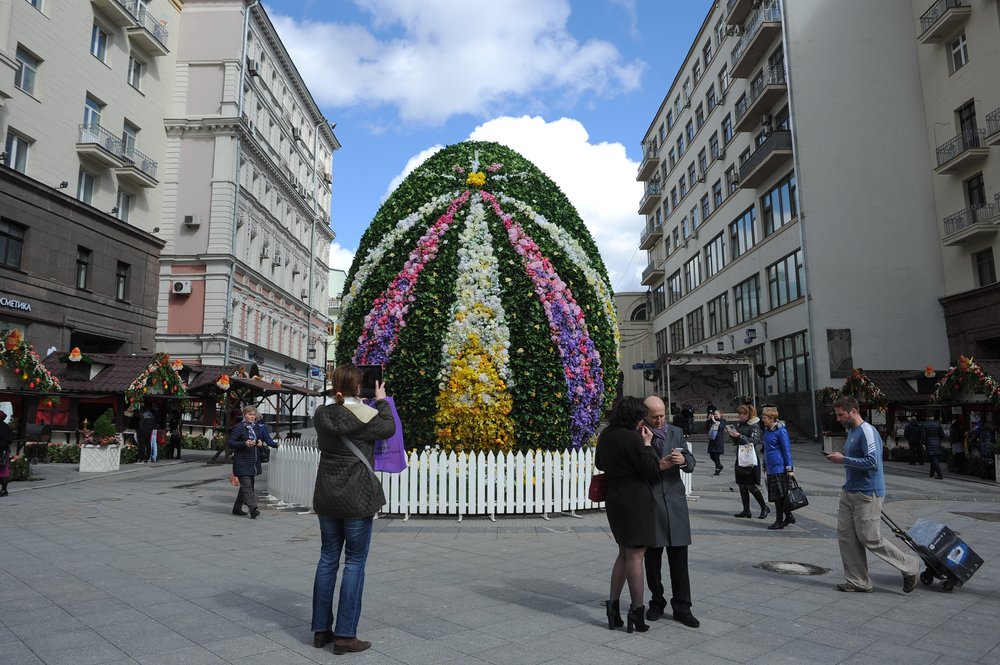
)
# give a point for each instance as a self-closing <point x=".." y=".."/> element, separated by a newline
<point x="778" y="464"/>
<point x="748" y="433"/>
<point x="346" y="498"/>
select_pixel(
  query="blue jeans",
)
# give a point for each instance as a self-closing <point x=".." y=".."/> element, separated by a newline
<point x="353" y="536"/>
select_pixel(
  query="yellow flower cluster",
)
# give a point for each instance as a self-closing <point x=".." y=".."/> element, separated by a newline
<point x="473" y="409"/>
<point x="477" y="179"/>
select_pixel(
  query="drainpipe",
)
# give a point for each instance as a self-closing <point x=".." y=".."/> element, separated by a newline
<point x="227" y="323"/>
<point x="312" y="250"/>
<point x="802" y="220"/>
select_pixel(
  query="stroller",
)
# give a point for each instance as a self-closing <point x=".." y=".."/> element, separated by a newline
<point x="945" y="555"/>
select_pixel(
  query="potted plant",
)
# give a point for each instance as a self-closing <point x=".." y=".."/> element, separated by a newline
<point x="101" y="446"/>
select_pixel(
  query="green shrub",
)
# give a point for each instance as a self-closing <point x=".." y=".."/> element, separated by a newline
<point x="128" y="455"/>
<point x="20" y="468"/>
<point x="65" y="453"/>
<point x="199" y="442"/>
<point x="104" y="426"/>
<point x="899" y="454"/>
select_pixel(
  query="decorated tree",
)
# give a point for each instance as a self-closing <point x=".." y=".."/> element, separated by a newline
<point x="480" y="291"/>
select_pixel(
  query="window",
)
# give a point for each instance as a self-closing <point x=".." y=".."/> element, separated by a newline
<point x="723" y="80"/>
<point x="674" y="292"/>
<point x="959" y="53"/>
<point x="702" y="163"/>
<point x="673" y="157"/>
<point x="99" y="43"/>
<point x="692" y="174"/>
<point x="717" y="194"/>
<point x="784" y="279"/>
<point x="37" y="4"/>
<point x="986" y="272"/>
<point x="686" y="88"/>
<point x="975" y="191"/>
<point x="727" y="129"/>
<point x="82" y="266"/>
<point x="792" y="362"/>
<point x="694" y="218"/>
<point x="129" y="134"/>
<point x="696" y="71"/>
<point x="706" y="208"/>
<point x="682" y="184"/>
<point x="732" y="180"/>
<point x="692" y="273"/>
<point x="677" y="335"/>
<point x="715" y="254"/>
<point x="11" y="243"/>
<point x="741" y="233"/>
<point x="718" y="314"/>
<point x="676" y="237"/>
<point x="746" y="299"/>
<point x="670" y="119"/>
<point x="689" y="131"/>
<point x="720" y="31"/>
<point x="663" y="133"/>
<point x="680" y="146"/>
<point x="673" y="196"/>
<point x="677" y="106"/>
<point x="85" y="186"/>
<point x="744" y="156"/>
<point x="710" y="99"/>
<point x="706" y="52"/>
<point x="777" y="207"/>
<point x="92" y="112"/>
<point x="124" y="205"/>
<point x="135" y="69"/>
<point x="659" y="300"/>
<point x="685" y="228"/>
<point x="27" y="69"/>
<point x="699" y="115"/>
<point x="662" y="346"/>
<point x="17" y="151"/>
<point x="696" y="326"/>
<point x="121" y="281"/>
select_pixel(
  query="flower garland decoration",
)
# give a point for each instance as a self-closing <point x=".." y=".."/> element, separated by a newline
<point x="159" y="378"/>
<point x="20" y="358"/>
<point x="860" y="386"/>
<point x="480" y="291"/>
<point x="968" y="375"/>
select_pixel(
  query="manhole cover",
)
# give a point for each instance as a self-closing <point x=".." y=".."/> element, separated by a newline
<point x="792" y="568"/>
<point x="986" y="517"/>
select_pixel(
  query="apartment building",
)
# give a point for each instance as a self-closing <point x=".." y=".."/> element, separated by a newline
<point x="82" y="91"/>
<point x="788" y="200"/>
<point x="247" y="181"/>
<point x="958" y="49"/>
<point x="636" y="348"/>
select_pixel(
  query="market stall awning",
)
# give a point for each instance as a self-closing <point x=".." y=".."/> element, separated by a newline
<point x="301" y="390"/>
<point x="891" y="387"/>
<point x="202" y="378"/>
<point x="257" y="385"/>
<point x="970" y="382"/>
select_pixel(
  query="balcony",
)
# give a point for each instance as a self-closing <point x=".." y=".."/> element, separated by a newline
<point x="942" y="20"/>
<point x="737" y="11"/>
<point x="970" y="225"/>
<point x="148" y="35"/>
<point x="757" y="37"/>
<point x="138" y="170"/>
<point x="652" y="273"/>
<point x="120" y="12"/>
<point x="650" y="160"/>
<point x="650" y="235"/>
<point x="650" y="199"/>
<point x="762" y="96"/>
<point x="958" y="153"/>
<point x="99" y="146"/>
<point x="772" y="153"/>
<point x="993" y="127"/>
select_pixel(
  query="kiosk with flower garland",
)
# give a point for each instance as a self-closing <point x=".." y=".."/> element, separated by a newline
<point x="971" y="390"/>
<point x="25" y="383"/>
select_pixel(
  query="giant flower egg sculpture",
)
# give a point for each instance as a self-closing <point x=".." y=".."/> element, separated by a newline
<point x="479" y="290"/>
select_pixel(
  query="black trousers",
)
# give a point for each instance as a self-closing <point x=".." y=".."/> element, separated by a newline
<point x="680" y="583"/>
<point x="145" y="450"/>
<point x="717" y="458"/>
<point x="916" y="453"/>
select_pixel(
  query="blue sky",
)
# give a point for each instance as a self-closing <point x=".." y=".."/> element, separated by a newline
<point x="571" y="85"/>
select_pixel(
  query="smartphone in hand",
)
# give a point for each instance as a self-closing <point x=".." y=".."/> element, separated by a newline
<point x="371" y="375"/>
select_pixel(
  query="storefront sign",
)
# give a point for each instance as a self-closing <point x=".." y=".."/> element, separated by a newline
<point x="15" y="304"/>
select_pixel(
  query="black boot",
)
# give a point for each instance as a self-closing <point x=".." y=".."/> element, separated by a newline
<point x="636" y="619"/>
<point x="779" y="516"/>
<point x="614" y="614"/>
<point x="745" y="498"/>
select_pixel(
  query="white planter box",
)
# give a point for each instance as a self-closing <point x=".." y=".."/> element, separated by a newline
<point x="99" y="459"/>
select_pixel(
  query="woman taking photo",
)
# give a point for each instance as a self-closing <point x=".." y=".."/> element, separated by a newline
<point x="625" y="454"/>
<point x="346" y="498"/>
<point x="748" y="433"/>
<point x="778" y="463"/>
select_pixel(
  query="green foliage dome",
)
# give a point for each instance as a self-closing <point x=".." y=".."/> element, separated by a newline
<point x="480" y="291"/>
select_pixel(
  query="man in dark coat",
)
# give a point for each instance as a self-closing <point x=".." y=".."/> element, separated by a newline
<point x="914" y="434"/>
<point x="246" y="440"/>
<point x="672" y="525"/>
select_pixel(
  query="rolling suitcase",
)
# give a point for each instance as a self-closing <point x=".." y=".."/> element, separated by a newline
<point x="946" y="556"/>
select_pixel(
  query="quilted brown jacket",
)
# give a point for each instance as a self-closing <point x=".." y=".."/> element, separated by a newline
<point x="345" y="487"/>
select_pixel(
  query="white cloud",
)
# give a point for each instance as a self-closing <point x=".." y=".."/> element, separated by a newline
<point x="340" y="257"/>
<point x="437" y="58"/>
<point x="411" y="163"/>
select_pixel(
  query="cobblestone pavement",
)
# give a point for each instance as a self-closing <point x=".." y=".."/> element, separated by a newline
<point x="147" y="565"/>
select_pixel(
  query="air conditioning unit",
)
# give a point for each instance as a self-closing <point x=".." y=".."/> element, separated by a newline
<point x="734" y="30"/>
<point x="276" y="261"/>
<point x="701" y="177"/>
<point x="328" y="178"/>
<point x="304" y="294"/>
<point x="252" y="68"/>
<point x="181" y="287"/>
<point x="765" y="121"/>
<point x="264" y="252"/>
<point x="192" y="220"/>
<point x="296" y="134"/>
<point x="721" y="155"/>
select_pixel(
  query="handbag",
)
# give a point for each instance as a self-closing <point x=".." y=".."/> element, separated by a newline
<point x="598" y="491"/>
<point x="265" y="454"/>
<point x="746" y="456"/>
<point x="796" y="496"/>
<point x="390" y="454"/>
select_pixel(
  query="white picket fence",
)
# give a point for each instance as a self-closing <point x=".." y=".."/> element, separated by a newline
<point x="443" y="483"/>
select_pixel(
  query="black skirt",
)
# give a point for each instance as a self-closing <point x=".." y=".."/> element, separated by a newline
<point x="748" y="475"/>
<point x="777" y="486"/>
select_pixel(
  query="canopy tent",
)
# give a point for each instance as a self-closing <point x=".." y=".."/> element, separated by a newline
<point x="704" y="376"/>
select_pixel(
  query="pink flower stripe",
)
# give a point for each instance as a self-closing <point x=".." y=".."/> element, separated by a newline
<point x="567" y="330"/>
<point x="383" y="323"/>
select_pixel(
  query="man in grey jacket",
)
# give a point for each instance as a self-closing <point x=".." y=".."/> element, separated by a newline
<point x="673" y="528"/>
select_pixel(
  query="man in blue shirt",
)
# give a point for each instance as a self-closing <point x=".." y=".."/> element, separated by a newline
<point x="859" y="516"/>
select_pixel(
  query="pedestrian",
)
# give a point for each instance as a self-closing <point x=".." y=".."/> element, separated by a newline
<point x="672" y="525"/>
<point x="687" y="415"/>
<point x="174" y="442"/>
<point x="778" y="464"/>
<point x="914" y="435"/>
<point x="6" y="438"/>
<point x="933" y="443"/>
<point x="346" y="497"/>
<point x="626" y="455"/>
<point x="246" y="440"/>
<point x="144" y="432"/>
<point x="716" y="444"/>
<point x="956" y="434"/>
<point x="985" y="439"/>
<point x="748" y="434"/>
<point x="860" y="511"/>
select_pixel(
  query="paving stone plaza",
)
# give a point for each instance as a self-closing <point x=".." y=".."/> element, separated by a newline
<point x="147" y="565"/>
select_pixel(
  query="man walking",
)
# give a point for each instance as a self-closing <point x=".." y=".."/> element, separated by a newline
<point x="914" y="435"/>
<point x="861" y="504"/>
<point x="933" y="442"/>
<point x="672" y="525"/>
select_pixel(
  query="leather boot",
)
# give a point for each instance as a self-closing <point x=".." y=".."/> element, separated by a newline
<point x="636" y="619"/>
<point x="614" y="614"/>
<point x="342" y="645"/>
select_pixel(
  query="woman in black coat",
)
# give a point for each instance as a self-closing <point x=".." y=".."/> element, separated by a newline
<point x="716" y="425"/>
<point x="246" y="441"/>
<point x="625" y="454"/>
<point x="749" y="433"/>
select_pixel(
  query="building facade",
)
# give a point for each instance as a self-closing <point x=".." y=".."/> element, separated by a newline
<point x="636" y="344"/>
<point x="788" y="199"/>
<point x="247" y="183"/>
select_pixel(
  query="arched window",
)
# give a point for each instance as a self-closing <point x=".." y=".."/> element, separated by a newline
<point x="639" y="313"/>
